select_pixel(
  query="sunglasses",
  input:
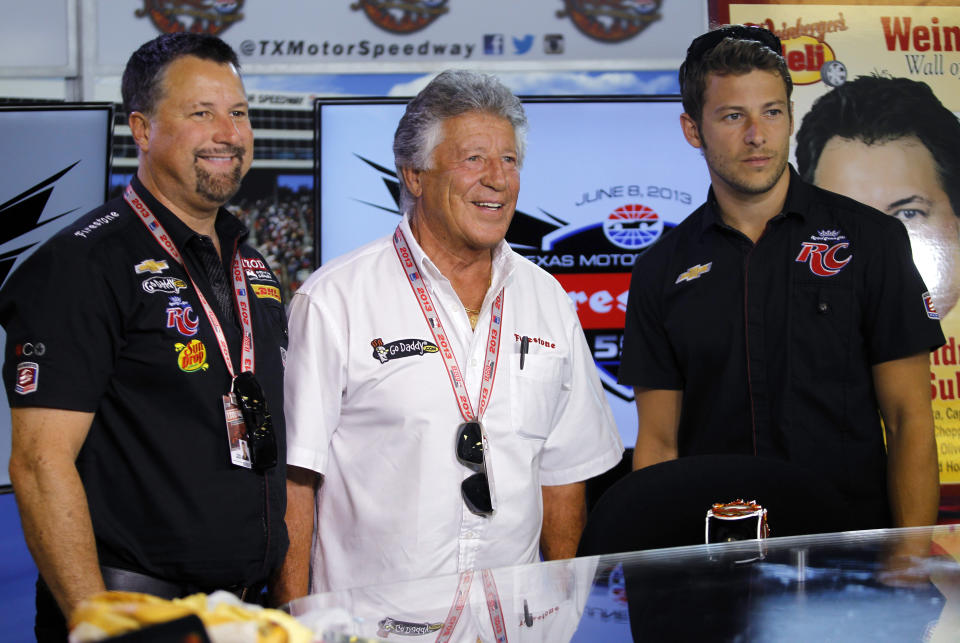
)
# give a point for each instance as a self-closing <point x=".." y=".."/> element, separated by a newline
<point x="704" y="43"/>
<point x="475" y="489"/>
<point x="261" y="438"/>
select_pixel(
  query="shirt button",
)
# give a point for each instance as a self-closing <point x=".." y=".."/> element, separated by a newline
<point x="823" y="307"/>
<point x="473" y="362"/>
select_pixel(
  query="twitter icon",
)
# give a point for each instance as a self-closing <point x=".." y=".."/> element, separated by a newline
<point x="522" y="45"/>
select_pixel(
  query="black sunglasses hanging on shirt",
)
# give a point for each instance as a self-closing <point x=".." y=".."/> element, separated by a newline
<point x="475" y="489"/>
<point x="261" y="438"/>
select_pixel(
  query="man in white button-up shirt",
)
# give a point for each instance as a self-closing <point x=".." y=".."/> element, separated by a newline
<point x="443" y="408"/>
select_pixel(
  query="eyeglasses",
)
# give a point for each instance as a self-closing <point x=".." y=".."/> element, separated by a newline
<point x="704" y="43"/>
<point x="475" y="489"/>
<point x="261" y="438"/>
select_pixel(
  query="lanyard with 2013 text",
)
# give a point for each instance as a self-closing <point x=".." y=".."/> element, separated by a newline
<point x="239" y="286"/>
<point x="421" y="294"/>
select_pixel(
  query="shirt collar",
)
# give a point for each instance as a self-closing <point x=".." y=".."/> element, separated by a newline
<point x="504" y="259"/>
<point x="229" y="228"/>
<point x="796" y="203"/>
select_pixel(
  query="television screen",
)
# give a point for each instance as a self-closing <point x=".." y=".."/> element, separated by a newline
<point x="54" y="168"/>
<point x="603" y="178"/>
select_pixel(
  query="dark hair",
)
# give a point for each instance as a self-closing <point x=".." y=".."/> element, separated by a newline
<point x="144" y="72"/>
<point x="451" y="93"/>
<point x="874" y="109"/>
<point x="734" y="49"/>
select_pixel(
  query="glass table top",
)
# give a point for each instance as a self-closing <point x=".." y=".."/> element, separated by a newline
<point x="877" y="585"/>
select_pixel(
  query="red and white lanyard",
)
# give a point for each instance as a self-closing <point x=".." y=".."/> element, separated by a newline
<point x="422" y="295"/>
<point x="493" y="607"/>
<point x="239" y="286"/>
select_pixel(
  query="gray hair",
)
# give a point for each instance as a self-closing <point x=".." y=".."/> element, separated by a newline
<point x="451" y="93"/>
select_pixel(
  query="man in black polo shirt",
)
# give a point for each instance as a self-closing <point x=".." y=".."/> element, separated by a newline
<point x="136" y="338"/>
<point x="778" y="318"/>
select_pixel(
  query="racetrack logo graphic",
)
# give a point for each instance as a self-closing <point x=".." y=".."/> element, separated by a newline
<point x="399" y="16"/>
<point x="632" y="227"/>
<point x="193" y="16"/>
<point x="611" y="20"/>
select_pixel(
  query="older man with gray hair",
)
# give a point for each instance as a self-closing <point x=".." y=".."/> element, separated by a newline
<point x="444" y="410"/>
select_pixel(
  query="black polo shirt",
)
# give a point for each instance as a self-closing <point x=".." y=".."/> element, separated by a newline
<point x="772" y="343"/>
<point x="101" y="319"/>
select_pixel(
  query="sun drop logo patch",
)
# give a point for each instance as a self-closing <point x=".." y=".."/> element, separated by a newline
<point x="191" y="357"/>
<point x="383" y="353"/>
<point x="827" y="253"/>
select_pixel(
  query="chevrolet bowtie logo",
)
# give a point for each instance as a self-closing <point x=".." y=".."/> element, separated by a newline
<point x="693" y="273"/>
<point x="151" y="265"/>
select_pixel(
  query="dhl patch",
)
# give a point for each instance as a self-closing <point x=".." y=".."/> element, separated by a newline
<point x="266" y="292"/>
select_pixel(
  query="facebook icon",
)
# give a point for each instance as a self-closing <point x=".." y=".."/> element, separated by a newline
<point x="493" y="44"/>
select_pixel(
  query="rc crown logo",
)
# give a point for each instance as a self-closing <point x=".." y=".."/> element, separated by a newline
<point x="827" y="253"/>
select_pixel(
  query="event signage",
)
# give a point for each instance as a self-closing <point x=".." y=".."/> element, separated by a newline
<point x="416" y="35"/>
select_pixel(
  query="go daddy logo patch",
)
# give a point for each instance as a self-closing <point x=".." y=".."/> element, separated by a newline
<point x="383" y="353"/>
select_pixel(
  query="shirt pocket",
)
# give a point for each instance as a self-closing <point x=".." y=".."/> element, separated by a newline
<point x="535" y="394"/>
<point x="824" y="318"/>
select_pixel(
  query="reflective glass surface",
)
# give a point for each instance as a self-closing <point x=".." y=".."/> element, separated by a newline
<point x="879" y="585"/>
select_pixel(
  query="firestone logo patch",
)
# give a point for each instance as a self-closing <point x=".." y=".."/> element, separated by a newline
<point x="383" y="353"/>
<point x="194" y="16"/>
<point x="611" y="20"/>
<point x="402" y="17"/>
<point x="929" y="307"/>
<point x="28" y="374"/>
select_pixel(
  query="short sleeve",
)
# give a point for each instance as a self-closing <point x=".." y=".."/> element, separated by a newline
<point x="647" y="358"/>
<point x="64" y="327"/>
<point x="899" y="316"/>
<point x="313" y="382"/>
<point x="584" y="441"/>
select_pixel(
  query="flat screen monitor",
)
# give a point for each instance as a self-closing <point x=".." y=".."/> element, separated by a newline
<point x="604" y="177"/>
<point x="54" y="167"/>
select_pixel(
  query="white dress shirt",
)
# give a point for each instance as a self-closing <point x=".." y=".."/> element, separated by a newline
<point x="377" y="416"/>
